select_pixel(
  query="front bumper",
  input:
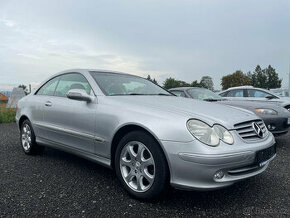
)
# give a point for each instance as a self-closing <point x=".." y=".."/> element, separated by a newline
<point x="277" y="125"/>
<point x="193" y="165"/>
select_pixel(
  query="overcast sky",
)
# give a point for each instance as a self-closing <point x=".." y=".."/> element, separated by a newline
<point x="182" y="39"/>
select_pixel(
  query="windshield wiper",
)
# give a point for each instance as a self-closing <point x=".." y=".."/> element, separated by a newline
<point x="164" y="94"/>
<point x="212" y="99"/>
<point x="149" y="94"/>
<point x="136" y="94"/>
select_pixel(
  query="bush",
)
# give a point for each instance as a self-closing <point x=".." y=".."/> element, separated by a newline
<point x="7" y="115"/>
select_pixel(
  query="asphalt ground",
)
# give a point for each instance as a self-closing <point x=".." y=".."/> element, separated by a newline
<point x="63" y="185"/>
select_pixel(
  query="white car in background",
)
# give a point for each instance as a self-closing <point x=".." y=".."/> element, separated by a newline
<point x="254" y="94"/>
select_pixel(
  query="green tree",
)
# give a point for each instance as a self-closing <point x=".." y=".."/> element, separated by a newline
<point x="152" y="80"/>
<point x="237" y="78"/>
<point x="273" y="80"/>
<point x="195" y="84"/>
<point x="266" y="78"/>
<point x="170" y="83"/>
<point x="258" y="77"/>
<point x="206" y="82"/>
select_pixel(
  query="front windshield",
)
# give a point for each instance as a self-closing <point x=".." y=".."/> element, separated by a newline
<point x="203" y="94"/>
<point x="121" y="84"/>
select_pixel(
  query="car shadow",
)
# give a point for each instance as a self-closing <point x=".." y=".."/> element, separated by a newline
<point x="241" y="193"/>
<point x="198" y="198"/>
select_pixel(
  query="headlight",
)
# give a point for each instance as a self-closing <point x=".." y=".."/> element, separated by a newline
<point x="209" y="135"/>
<point x="266" y="111"/>
<point x="224" y="134"/>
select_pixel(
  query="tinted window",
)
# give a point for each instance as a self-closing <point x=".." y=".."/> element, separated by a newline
<point x="256" y="93"/>
<point x="236" y="93"/>
<point x="71" y="81"/>
<point x="49" y="87"/>
<point x="179" y="93"/>
<point x="122" y="84"/>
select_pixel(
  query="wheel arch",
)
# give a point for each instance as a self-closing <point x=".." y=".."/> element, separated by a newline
<point x="21" y="120"/>
<point x="125" y="129"/>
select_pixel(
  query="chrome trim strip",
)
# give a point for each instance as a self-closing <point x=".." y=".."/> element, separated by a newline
<point x="267" y="161"/>
<point x="69" y="131"/>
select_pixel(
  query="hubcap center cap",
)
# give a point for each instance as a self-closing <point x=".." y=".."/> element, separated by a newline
<point x="138" y="165"/>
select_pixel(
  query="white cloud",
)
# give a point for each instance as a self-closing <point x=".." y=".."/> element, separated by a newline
<point x="181" y="39"/>
<point x="8" y="23"/>
<point x="28" y="56"/>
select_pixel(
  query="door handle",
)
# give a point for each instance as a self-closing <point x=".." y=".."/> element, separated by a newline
<point x="48" y="104"/>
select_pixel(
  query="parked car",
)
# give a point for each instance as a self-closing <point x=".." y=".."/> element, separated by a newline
<point x="257" y="94"/>
<point x="276" y="118"/>
<point x="148" y="136"/>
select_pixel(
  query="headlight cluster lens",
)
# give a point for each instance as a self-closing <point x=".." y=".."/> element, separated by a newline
<point x="266" y="111"/>
<point x="209" y="135"/>
<point x="224" y="134"/>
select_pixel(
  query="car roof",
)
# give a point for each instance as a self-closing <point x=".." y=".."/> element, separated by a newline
<point x="241" y="87"/>
<point x="81" y="70"/>
<point x="249" y="87"/>
<point x="245" y="87"/>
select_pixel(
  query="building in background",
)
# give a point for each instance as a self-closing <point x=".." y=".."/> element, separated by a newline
<point x="16" y="95"/>
<point x="6" y="93"/>
<point x="3" y="98"/>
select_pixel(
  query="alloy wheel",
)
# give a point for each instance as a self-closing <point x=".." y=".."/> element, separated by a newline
<point x="26" y="137"/>
<point x="137" y="166"/>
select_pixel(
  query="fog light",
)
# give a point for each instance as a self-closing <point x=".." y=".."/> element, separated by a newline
<point x="219" y="175"/>
<point x="271" y="127"/>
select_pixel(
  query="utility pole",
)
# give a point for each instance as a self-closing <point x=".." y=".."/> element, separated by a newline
<point x="289" y="76"/>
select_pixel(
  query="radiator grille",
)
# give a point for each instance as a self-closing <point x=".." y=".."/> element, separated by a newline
<point x="247" y="132"/>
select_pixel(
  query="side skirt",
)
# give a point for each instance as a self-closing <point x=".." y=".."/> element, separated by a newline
<point x="89" y="156"/>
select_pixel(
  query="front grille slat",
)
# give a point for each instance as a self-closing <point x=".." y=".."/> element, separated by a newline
<point x="247" y="132"/>
<point x="244" y="126"/>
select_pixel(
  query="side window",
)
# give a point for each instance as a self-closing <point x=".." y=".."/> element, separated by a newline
<point x="256" y="93"/>
<point x="71" y="81"/>
<point x="49" y="87"/>
<point x="236" y="93"/>
<point x="179" y="93"/>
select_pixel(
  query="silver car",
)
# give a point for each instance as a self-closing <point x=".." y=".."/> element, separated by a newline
<point x="150" y="137"/>
<point x="276" y="118"/>
<point x="251" y="93"/>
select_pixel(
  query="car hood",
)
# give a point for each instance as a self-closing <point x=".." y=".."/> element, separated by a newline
<point x="287" y="99"/>
<point x="205" y="111"/>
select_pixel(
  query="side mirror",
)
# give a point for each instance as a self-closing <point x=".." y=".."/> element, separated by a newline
<point x="79" y="95"/>
<point x="269" y="97"/>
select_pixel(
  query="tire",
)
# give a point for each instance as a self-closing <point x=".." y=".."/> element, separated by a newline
<point x="141" y="166"/>
<point x="27" y="139"/>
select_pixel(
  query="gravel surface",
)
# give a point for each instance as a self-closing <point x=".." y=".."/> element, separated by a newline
<point x="60" y="184"/>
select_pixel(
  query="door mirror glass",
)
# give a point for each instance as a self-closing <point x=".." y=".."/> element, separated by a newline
<point x="79" y="95"/>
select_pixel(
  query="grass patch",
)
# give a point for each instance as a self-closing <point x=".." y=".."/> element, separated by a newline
<point x="7" y="115"/>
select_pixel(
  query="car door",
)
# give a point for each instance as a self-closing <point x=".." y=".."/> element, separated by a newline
<point x="70" y="122"/>
<point x="259" y="95"/>
<point x="37" y="106"/>
<point x="235" y="94"/>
